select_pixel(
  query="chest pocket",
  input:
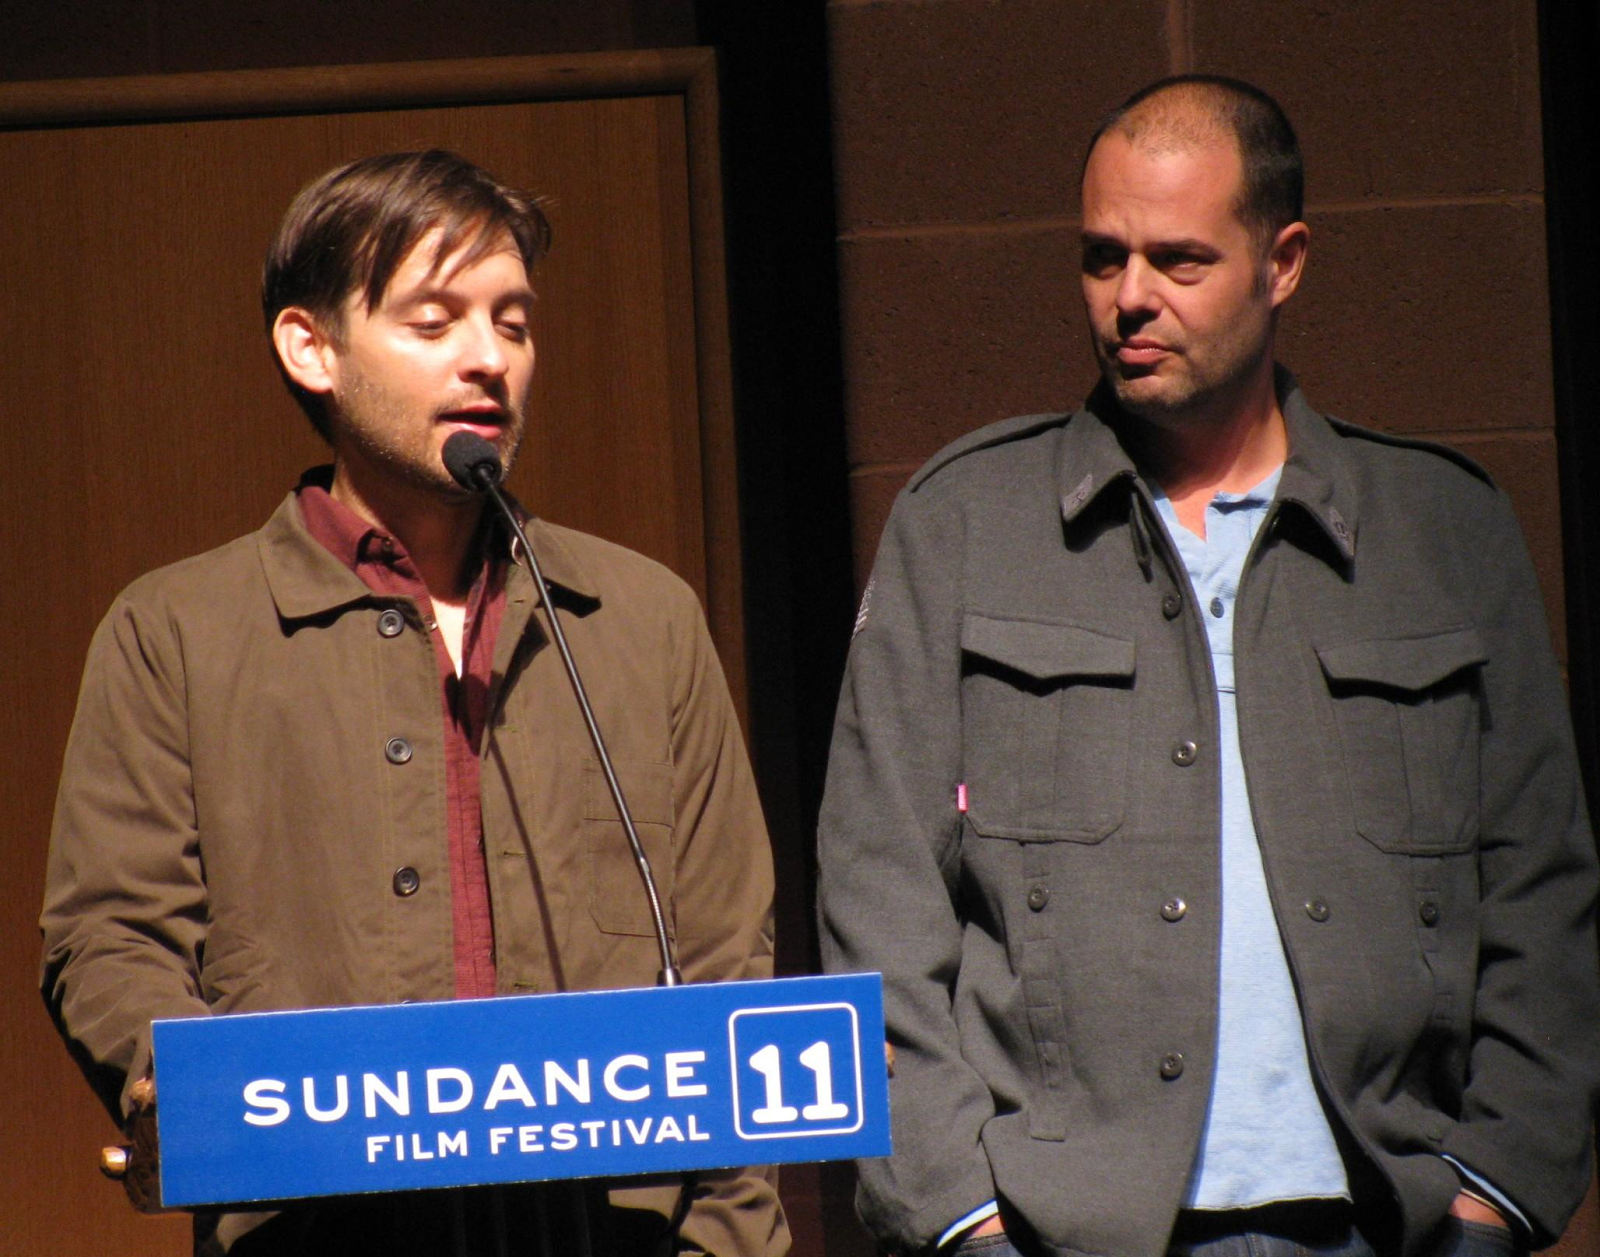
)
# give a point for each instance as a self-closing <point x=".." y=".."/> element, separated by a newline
<point x="1046" y="710"/>
<point x="1408" y="716"/>
<point x="617" y="899"/>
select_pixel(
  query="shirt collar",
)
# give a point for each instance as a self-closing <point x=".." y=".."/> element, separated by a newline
<point x="351" y="539"/>
<point x="1316" y="479"/>
<point x="307" y="578"/>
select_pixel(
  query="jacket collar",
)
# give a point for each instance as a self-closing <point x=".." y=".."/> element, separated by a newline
<point x="1316" y="479"/>
<point x="306" y="580"/>
<point x="561" y="568"/>
<point x="1091" y="457"/>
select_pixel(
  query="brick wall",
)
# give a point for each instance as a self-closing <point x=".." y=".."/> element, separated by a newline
<point x="959" y="130"/>
<point x="960" y="127"/>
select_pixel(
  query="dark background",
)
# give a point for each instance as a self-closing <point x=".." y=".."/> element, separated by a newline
<point x="899" y="181"/>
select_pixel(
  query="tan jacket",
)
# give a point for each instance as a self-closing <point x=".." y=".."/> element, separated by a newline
<point x="255" y="777"/>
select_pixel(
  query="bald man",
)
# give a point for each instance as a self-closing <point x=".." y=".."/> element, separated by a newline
<point x="1202" y="786"/>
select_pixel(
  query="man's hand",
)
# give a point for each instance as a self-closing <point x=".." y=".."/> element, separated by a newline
<point x="989" y="1226"/>
<point x="138" y="1162"/>
<point x="1471" y="1209"/>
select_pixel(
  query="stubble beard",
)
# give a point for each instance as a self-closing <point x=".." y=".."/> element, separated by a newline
<point x="1189" y="396"/>
<point x="391" y="439"/>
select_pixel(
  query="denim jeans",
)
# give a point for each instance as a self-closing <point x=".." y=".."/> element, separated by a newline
<point x="1246" y="1244"/>
<point x="1457" y="1238"/>
<point x="986" y="1246"/>
<point x="1257" y="1244"/>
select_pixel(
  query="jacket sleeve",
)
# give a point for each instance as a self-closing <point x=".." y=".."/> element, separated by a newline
<point x="124" y="915"/>
<point x="1525" y="1121"/>
<point x="888" y="849"/>
<point x="722" y="907"/>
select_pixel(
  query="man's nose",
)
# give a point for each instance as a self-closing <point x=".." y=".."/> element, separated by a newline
<point x="483" y="352"/>
<point x="1136" y="290"/>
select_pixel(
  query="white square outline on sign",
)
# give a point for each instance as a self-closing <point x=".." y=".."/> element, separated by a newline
<point x="855" y="1044"/>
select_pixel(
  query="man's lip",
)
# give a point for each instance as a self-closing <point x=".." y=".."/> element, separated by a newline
<point x="489" y="420"/>
<point x="1136" y="352"/>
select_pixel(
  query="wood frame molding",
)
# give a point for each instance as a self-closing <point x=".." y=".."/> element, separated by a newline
<point x="318" y="89"/>
<point x="689" y="72"/>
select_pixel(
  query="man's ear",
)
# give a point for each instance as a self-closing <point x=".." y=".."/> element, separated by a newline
<point x="1287" y="261"/>
<point x="307" y="352"/>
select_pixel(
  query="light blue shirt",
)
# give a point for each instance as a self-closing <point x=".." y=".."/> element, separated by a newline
<point x="1265" y="1137"/>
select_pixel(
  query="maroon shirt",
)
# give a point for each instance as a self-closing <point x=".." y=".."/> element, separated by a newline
<point x="380" y="561"/>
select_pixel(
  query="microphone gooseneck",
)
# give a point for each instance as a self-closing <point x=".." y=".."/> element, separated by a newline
<point x="474" y="464"/>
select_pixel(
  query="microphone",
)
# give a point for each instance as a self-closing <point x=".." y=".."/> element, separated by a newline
<point x="474" y="464"/>
<point x="471" y="460"/>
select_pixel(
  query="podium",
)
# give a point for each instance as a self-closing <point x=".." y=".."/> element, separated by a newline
<point x="333" y="1102"/>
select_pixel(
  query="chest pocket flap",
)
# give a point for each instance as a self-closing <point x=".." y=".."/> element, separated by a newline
<point x="1044" y="650"/>
<point x="1404" y="663"/>
<point x="1046" y="710"/>
<point x="1408" y="717"/>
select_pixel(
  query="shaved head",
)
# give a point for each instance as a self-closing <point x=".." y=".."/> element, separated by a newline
<point x="1179" y="118"/>
<point x="1196" y="112"/>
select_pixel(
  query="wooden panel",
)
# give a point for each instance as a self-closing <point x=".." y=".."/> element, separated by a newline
<point x="144" y="422"/>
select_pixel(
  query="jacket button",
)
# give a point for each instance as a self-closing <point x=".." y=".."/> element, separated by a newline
<point x="1038" y="897"/>
<point x="397" y="751"/>
<point x="1183" y="754"/>
<point x="1428" y="910"/>
<point x="391" y="623"/>
<point x="1171" y="605"/>
<point x="1317" y="910"/>
<point x="406" y="881"/>
<point x="1172" y="1065"/>
<point x="1173" y="909"/>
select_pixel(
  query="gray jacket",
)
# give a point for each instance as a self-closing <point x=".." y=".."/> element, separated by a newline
<point x="1028" y="633"/>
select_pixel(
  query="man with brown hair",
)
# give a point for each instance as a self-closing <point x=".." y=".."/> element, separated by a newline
<point x="336" y="761"/>
<point x="1202" y="787"/>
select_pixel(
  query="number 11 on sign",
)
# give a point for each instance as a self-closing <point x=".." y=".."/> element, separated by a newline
<point x="819" y="1060"/>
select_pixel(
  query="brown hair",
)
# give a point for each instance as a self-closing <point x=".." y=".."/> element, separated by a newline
<point x="350" y="230"/>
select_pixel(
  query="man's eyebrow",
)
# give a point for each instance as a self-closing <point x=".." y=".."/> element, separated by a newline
<point x="430" y="290"/>
<point x="1185" y="244"/>
<point x="1182" y="244"/>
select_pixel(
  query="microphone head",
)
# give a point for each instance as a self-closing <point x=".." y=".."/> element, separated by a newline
<point x="471" y="460"/>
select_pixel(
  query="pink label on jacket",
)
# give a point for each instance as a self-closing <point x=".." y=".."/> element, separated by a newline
<point x="961" y="796"/>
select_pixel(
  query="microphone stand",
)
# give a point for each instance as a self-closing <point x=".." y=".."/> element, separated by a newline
<point x="474" y="464"/>
<point x="486" y="477"/>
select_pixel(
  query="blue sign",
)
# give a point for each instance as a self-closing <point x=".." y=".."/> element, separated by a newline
<point x="275" y="1106"/>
